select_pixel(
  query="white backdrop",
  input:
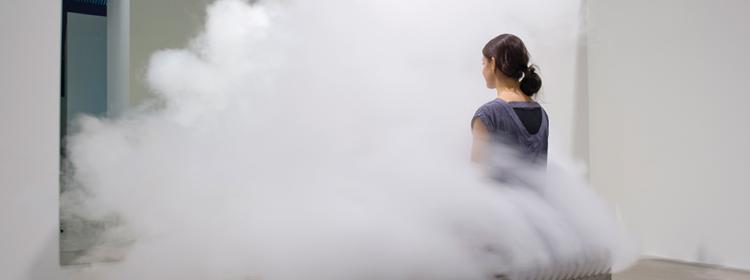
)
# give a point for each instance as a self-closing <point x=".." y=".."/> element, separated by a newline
<point x="669" y="136"/>
<point x="29" y="149"/>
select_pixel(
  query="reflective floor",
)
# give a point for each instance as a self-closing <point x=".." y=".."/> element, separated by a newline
<point x="654" y="269"/>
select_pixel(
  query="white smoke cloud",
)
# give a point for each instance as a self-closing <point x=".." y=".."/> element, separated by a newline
<point x="329" y="140"/>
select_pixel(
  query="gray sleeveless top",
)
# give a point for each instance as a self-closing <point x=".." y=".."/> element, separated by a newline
<point x="505" y="127"/>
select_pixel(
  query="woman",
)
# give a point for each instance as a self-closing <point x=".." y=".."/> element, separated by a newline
<point x="513" y="119"/>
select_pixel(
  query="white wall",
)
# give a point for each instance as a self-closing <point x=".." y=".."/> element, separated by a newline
<point x="668" y="132"/>
<point x="29" y="148"/>
<point x="564" y="95"/>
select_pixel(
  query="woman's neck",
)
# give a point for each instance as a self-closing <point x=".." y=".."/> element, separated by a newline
<point x="509" y="91"/>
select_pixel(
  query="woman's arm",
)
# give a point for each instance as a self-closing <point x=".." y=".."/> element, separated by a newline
<point x="481" y="136"/>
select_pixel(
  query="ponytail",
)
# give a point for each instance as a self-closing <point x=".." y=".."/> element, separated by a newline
<point x="531" y="82"/>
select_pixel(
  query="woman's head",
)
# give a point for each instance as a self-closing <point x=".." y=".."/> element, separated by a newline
<point x="506" y="58"/>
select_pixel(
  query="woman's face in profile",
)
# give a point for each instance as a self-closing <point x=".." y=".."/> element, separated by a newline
<point x="488" y="71"/>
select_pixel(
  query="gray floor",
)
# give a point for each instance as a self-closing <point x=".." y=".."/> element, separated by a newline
<point x="656" y="269"/>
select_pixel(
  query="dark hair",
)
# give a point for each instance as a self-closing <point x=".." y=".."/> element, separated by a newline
<point x="512" y="59"/>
